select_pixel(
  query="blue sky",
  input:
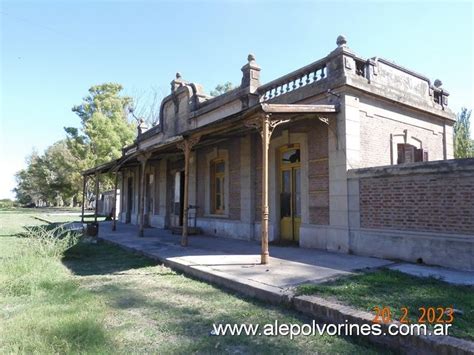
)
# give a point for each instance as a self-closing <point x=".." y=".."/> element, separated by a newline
<point x="52" y="51"/>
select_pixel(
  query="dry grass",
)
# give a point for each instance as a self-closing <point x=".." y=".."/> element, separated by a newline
<point x="101" y="299"/>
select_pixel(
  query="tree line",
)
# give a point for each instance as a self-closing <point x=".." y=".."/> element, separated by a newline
<point x="463" y="144"/>
<point x="54" y="178"/>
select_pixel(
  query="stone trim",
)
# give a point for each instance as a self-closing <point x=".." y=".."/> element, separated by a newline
<point x="331" y="312"/>
<point x="431" y="167"/>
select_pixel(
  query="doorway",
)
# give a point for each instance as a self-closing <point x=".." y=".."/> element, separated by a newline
<point x="290" y="192"/>
<point x="179" y="196"/>
<point x="149" y="199"/>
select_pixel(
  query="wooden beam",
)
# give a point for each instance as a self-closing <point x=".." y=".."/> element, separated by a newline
<point x="186" y="146"/>
<point x="265" y="126"/>
<point x="96" y="211"/>
<point x="220" y="127"/>
<point x="114" y="212"/>
<point x="265" y="210"/>
<point x="83" y="197"/>
<point x="141" y="217"/>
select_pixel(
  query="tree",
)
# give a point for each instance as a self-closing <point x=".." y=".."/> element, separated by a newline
<point x="54" y="178"/>
<point x="463" y="145"/>
<point x="147" y="104"/>
<point x="47" y="178"/>
<point x="31" y="181"/>
<point x="61" y="182"/>
<point x="104" y="130"/>
<point x="222" y="89"/>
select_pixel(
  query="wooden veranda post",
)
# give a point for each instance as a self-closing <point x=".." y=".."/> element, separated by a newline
<point x="114" y="212"/>
<point x="141" y="215"/>
<point x="265" y="125"/>
<point x="96" y="211"/>
<point x="83" y="197"/>
<point x="186" y="146"/>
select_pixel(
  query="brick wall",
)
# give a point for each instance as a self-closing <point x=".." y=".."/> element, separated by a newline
<point x="234" y="178"/>
<point x="432" y="197"/>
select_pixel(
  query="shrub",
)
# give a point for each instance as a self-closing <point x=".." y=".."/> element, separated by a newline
<point x="6" y="203"/>
<point x="36" y="263"/>
<point x="45" y="241"/>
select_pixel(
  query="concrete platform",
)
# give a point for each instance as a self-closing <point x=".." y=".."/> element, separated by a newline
<point x="237" y="260"/>
<point x="455" y="277"/>
<point x="235" y="264"/>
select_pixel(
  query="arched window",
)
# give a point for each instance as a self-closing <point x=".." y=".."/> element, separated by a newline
<point x="218" y="197"/>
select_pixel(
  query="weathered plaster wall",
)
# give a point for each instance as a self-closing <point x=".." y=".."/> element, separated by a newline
<point x="380" y="119"/>
<point x="377" y="100"/>
<point x="223" y="111"/>
<point x="106" y="203"/>
<point x="318" y="173"/>
<point x="236" y="220"/>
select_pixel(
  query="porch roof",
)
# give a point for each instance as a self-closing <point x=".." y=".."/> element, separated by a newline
<point x="218" y="130"/>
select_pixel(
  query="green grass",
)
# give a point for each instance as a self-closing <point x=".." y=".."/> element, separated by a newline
<point x="98" y="298"/>
<point x="395" y="290"/>
<point x="13" y="220"/>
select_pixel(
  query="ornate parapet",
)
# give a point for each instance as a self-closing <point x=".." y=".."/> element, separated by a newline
<point x="188" y="107"/>
<point x="250" y="75"/>
<point x="375" y="75"/>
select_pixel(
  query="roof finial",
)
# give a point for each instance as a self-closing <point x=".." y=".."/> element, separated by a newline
<point x="251" y="57"/>
<point x="178" y="75"/>
<point x="341" y="41"/>
<point x="438" y="83"/>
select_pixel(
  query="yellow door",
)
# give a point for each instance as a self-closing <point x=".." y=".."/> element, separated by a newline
<point x="290" y="192"/>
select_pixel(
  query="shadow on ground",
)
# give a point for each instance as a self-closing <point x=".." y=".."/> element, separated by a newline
<point x="166" y="312"/>
<point x="85" y="259"/>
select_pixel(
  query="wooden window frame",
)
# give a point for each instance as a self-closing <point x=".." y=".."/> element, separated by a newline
<point x="214" y="175"/>
<point x="415" y="155"/>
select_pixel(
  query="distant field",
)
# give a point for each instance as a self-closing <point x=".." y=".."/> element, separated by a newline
<point x="13" y="220"/>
